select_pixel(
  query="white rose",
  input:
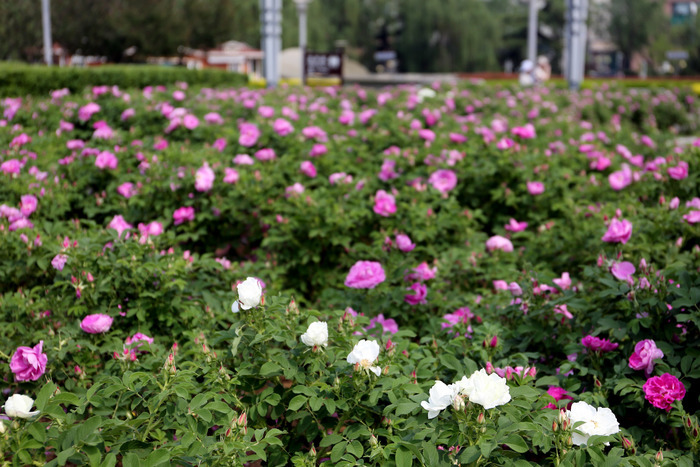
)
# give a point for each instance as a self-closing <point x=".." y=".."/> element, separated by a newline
<point x="316" y="334"/>
<point x="3" y="428"/>
<point x="424" y="93"/>
<point x="600" y="421"/>
<point x="440" y="397"/>
<point x="249" y="293"/>
<point x="18" y="405"/>
<point x="365" y="353"/>
<point x="489" y="391"/>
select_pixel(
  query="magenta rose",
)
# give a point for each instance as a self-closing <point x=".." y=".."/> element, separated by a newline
<point x="27" y="363"/>
<point x="96" y="324"/>
<point x="365" y="275"/>
<point x="420" y="291"/>
<point x="384" y="203"/>
<point x="596" y="344"/>
<point x="645" y="352"/>
<point x="618" y="231"/>
<point x="499" y="243"/>
<point x="663" y="390"/>
<point x="443" y="180"/>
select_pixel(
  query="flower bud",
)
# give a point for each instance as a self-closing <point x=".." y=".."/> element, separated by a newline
<point x="659" y="457"/>
<point x="480" y="418"/>
<point x="562" y="415"/>
<point x="458" y="403"/>
<point x="570" y="441"/>
<point x="494" y="341"/>
<point x="555" y="425"/>
<point x="627" y="443"/>
<point x="386" y="421"/>
<point x="373" y="441"/>
<point x="386" y="370"/>
<point x="489" y="368"/>
<point x="598" y="384"/>
<point x="312" y="451"/>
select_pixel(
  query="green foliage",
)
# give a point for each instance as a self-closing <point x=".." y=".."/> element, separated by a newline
<point x="16" y="79"/>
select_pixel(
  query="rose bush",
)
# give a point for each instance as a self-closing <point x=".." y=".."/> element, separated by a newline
<point x="535" y="248"/>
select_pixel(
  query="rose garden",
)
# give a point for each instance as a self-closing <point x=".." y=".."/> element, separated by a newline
<point x="448" y="275"/>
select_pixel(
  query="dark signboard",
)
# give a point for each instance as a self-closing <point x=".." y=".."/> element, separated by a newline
<point x="323" y="65"/>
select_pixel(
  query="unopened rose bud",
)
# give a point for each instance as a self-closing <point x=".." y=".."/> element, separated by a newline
<point x="569" y="442"/>
<point x="312" y="451"/>
<point x="386" y="421"/>
<point x="627" y="443"/>
<point x="494" y="341"/>
<point x="562" y="415"/>
<point x="458" y="403"/>
<point x="480" y="419"/>
<point x="555" y="425"/>
<point x="489" y="368"/>
<point x="659" y="457"/>
<point x="373" y="441"/>
<point x="386" y="370"/>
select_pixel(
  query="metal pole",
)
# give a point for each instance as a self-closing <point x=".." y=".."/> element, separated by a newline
<point x="577" y="14"/>
<point x="46" y="24"/>
<point x="302" y="9"/>
<point x="271" y="28"/>
<point x="532" y="32"/>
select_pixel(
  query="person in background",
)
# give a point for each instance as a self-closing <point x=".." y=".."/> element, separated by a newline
<point x="543" y="70"/>
<point x="527" y="77"/>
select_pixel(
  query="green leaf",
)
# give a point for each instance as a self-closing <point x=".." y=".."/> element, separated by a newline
<point x="404" y="457"/>
<point x="338" y="451"/>
<point x="405" y="408"/>
<point x="355" y="448"/>
<point x="297" y="402"/>
<point x="198" y="401"/>
<point x="44" y="395"/>
<point x="516" y="443"/>
<point x="131" y="460"/>
<point x="38" y="431"/>
<point x="63" y="456"/>
<point x="330" y="439"/>
<point x="161" y="456"/>
<point x="430" y="453"/>
<point x="269" y="369"/>
<point x="88" y="427"/>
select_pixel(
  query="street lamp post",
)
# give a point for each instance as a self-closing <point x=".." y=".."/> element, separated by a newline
<point x="576" y="31"/>
<point x="46" y="25"/>
<point x="271" y="25"/>
<point x="532" y="32"/>
<point x="302" y="8"/>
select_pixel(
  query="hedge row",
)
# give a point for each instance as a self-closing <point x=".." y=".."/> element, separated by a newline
<point x="19" y="79"/>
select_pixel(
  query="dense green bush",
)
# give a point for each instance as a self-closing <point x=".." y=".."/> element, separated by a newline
<point x="19" y="80"/>
<point x="222" y="388"/>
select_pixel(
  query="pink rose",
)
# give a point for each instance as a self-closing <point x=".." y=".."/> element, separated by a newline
<point x="443" y="180"/>
<point x="96" y="324"/>
<point x="618" y="231"/>
<point x="678" y="172"/>
<point x="535" y="188"/>
<point x="119" y="224"/>
<point x="183" y="214"/>
<point x="28" y="364"/>
<point x="693" y="217"/>
<point x="404" y="243"/>
<point x="420" y="291"/>
<point x="27" y="204"/>
<point x="564" y="282"/>
<point x="318" y="150"/>
<point x="500" y="285"/>
<point x="515" y="226"/>
<point x="266" y="154"/>
<point x="249" y="134"/>
<point x="282" y="127"/>
<point x="499" y="243"/>
<point x="460" y="316"/>
<point x="645" y="352"/>
<point x="59" y="261"/>
<point x="663" y="390"/>
<point x="138" y="339"/>
<point x="126" y="189"/>
<point x="204" y="178"/>
<point x="230" y="175"/>
<point x="308" y="169"/>
<point x="389" y="326"/>
<point x="623" y="271"/>
<point x="596" y="344"/>
<point x="106" y="160"/>
<point x="365" y="275"/>
<point x="384" y="203"/>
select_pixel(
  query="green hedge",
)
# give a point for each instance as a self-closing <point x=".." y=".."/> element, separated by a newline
<point x="19" y="79"/>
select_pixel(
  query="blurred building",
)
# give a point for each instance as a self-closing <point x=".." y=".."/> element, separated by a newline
<point x="232" y="56"/>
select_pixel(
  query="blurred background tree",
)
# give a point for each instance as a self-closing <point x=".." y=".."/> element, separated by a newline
<point x="427" y="36"/>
